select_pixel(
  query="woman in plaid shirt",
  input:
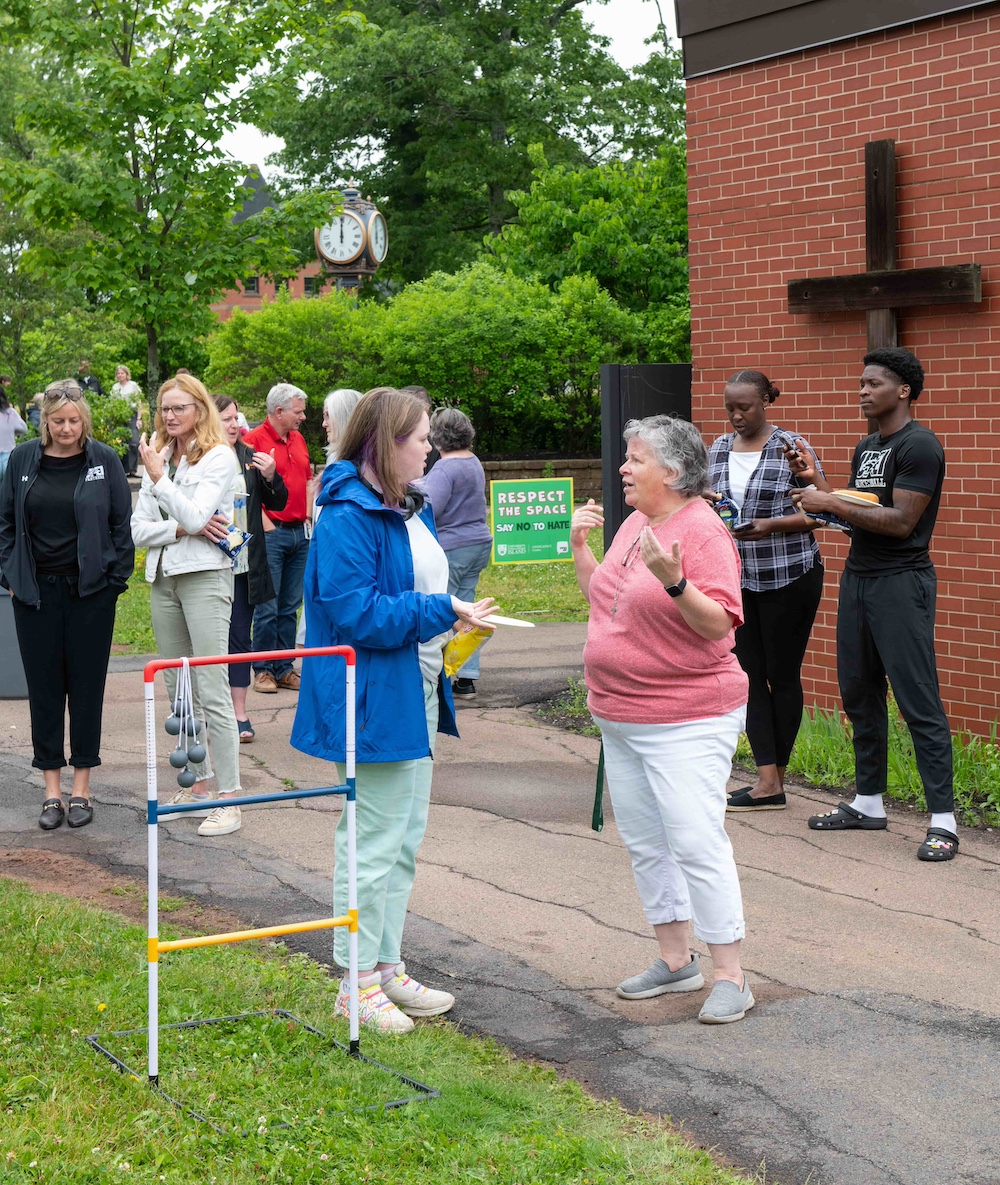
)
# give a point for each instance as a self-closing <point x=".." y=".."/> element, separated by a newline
<point x="782" y="580"/>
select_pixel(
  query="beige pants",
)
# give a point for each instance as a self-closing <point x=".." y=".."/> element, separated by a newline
<point x="191" y="615"/>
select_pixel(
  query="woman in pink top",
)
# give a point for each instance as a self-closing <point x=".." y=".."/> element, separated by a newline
<point x="669" y="697"/>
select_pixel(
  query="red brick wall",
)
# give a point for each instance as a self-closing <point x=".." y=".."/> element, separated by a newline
<point x="267" y="289"/>
<point x="776" y="181"/>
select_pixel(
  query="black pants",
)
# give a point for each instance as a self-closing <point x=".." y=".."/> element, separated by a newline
<point x="239" y="631"/>
<point x="65" y="646"/>
<point x="770" y="646"/>
<point x="885" y="627"/>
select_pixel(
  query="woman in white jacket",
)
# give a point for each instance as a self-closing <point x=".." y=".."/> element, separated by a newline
<point x="185" y="500"/>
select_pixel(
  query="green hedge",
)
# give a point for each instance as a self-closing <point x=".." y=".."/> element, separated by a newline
<point x="521" y="360"/>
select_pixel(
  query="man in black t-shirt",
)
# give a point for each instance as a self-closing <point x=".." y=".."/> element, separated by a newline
<point x="885" y="620"/>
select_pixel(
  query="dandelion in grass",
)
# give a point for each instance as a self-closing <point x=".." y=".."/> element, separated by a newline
<point x="101" y="1007"/>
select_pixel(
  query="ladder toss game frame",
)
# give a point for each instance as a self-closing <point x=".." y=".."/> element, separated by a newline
<point x="155" y="947"/>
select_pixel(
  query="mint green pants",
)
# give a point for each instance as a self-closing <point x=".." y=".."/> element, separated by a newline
<point x="392" y="804"/>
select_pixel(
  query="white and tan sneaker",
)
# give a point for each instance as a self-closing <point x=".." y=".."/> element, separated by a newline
<point x="375" y="1009"/>
<point x="185" y="796"/>
<point x="412" y="997"/>
<point x="224" y="820"/>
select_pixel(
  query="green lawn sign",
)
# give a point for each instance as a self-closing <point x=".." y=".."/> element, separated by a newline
<point x="531" y="520"/>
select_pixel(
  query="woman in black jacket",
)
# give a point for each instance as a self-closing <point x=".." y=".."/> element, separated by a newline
<point x="66" y="554"/>
<point x="258" y="484"/>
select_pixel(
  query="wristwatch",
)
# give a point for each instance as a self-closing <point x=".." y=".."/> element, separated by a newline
<point x="675" y="590"/>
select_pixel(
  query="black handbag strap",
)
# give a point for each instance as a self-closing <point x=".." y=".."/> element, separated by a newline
<point x="597" y="820"/>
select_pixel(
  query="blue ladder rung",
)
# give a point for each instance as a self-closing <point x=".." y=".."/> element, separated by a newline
<point x="156" y="811"/>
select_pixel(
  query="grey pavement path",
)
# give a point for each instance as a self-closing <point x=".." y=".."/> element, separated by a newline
<point x="872" y="1055"/>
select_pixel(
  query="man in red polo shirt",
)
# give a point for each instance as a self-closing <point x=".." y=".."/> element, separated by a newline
<point x="288" y="543"/>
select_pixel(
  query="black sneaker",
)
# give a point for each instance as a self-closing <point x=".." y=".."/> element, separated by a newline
<point x="464" y="689"/>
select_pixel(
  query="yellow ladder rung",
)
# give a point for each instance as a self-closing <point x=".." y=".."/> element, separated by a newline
<point x="243" y="935"/>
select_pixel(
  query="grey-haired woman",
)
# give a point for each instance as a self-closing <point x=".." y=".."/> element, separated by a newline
<point x="456" y="487"/>
<point x="669" y="697"/>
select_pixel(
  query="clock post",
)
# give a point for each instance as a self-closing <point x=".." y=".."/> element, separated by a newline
<point x="354" y="242"/>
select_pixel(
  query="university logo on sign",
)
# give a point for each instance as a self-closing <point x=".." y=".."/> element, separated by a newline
<point x="873" y="463"/>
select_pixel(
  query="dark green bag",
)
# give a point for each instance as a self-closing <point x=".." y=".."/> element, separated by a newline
<point x="597" y="820"/>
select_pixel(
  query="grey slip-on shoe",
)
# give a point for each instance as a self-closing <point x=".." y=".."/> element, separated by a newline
<point x="659" y="979"/>
<point x="727" y="1002"/>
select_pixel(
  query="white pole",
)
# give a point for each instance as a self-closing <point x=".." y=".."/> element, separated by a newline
<point x="352" y="858"/>
<point x="152" y="885"/>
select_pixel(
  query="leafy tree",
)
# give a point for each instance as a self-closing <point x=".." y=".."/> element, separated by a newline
<point x="434" y="105"/>
<point x="133" y="156"/>
<point x="53" y="349"/>
<point x="625" y="223"/>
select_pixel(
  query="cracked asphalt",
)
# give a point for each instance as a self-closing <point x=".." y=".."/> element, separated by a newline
<point x="871" y="1057"/>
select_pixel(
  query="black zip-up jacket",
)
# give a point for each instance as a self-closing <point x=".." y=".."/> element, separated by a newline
<point x="259" y="493"/>
<point x="103" y="505"/>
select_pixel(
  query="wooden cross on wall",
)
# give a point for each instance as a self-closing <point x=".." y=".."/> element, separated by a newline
<point x="881" y="289"/>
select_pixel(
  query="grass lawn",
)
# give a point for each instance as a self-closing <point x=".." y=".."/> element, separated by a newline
<point x="67" y="1116"/>
<point x="543" y="592"/>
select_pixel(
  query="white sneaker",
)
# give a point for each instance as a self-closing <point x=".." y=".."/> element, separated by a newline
<point x="375" y="1010"/>
<point x="185" y="796"/>
<point x="222" y="821"/>
<point x="413" y="998"/>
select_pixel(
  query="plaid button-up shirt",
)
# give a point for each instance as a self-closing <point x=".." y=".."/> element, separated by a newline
<point x="779" y="559"/>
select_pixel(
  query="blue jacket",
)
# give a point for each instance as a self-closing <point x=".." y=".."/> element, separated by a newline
<point x="359" y="592"/>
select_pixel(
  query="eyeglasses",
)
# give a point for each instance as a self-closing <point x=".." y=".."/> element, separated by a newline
<point x="72" y="393"/>
<point x="176" y="411"/>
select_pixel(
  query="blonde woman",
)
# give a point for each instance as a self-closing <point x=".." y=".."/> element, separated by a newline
<point x="66" y="555"/>
<point x="186" y="496"/>
<point x="125" y="388"/>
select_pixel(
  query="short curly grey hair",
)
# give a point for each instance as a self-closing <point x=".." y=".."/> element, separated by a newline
<point x="677" y="445"/>
<point x="282" y="394"/>
<point x="451" y="430"/>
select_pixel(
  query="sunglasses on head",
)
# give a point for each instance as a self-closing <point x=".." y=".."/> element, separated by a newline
<point x="66" y="392"/>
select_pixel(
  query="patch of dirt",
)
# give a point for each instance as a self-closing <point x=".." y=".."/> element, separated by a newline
<point x="554" y="712"/>
<point x="72" y="876"/>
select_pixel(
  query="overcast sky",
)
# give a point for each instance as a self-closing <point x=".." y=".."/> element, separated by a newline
<point x="627" y="22"/>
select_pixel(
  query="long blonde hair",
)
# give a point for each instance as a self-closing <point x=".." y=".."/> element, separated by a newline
<point x="57" y="395"/>
<point x="208" y="431"/>
<point x="382" y="419"/>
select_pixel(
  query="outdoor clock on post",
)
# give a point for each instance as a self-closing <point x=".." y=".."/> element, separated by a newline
<point x="354" y="242"/>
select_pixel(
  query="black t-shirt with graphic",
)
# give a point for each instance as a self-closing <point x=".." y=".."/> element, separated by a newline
<point x="910" y="459"/>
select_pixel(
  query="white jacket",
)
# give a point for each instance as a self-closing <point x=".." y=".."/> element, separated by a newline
<point x="189" y="501"/>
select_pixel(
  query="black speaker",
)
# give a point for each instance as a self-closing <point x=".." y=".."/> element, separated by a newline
<point x="632" y="393"/>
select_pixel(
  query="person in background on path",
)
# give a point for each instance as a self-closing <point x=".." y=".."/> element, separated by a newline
<point x="456" y="487"/>
<point x="190" y="472"/>
<point x="337" y="408"/>
<point x="258" y="484"/>
<point x="66" y="555"/>
<point x="124" y="388"/>
<point x="90" y="384"/>
<point x="286" y="535"/>
<point x="669" y="697"/>
<point x="11" y="425"/>
<point x="425" y="399"/>
<point x="782" y="580"/>
<point x="34" y="410"/>
<point x="885" y="617"/>
<point x="376" y="580"/>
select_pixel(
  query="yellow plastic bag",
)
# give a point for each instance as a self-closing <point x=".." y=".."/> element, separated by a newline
<point x="467" y="640"/>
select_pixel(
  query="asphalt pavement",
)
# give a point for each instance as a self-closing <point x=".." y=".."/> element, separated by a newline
<point x="871" y="1057"/>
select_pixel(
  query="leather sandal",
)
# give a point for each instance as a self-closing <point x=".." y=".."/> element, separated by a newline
<point x="81" y="811"/>
<point x="246" y="731"/>
<point x="52" y="814"/>
<point x="846" y="818"/>
<point x="939" y="845"/>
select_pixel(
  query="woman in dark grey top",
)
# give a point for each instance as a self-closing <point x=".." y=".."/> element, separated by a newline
<point x="456" y="488"/>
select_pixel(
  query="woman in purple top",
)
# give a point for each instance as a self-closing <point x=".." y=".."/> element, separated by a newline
<point x="456" y="488"/>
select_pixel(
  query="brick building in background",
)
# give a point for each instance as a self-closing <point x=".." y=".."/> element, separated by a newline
<point x="781" y="104"/>
<point x="309" y="280"/>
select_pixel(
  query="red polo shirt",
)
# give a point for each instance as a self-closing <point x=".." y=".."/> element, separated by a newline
<point x="292" y="458"/>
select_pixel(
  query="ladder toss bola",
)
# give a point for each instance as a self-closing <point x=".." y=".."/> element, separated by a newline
<point x="186" y="728"/>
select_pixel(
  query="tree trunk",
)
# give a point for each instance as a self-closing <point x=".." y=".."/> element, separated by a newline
<point x="152" y="370"/>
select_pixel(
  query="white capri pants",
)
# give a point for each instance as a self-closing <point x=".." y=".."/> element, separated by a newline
<point x="668" y="789"/>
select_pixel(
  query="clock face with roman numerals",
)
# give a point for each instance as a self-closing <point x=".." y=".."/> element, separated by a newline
<point x="342" y="239"/>
<point x="378" y="236"/>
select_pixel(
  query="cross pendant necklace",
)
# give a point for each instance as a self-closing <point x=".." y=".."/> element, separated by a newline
<point x="627" y="560"/>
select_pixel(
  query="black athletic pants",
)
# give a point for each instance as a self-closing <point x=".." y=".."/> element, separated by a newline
<point x="65" y="646"/>
<point x="770" y="646"/>
<point x="239" y="631"/>
<point x="885" y="627"/>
